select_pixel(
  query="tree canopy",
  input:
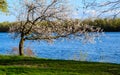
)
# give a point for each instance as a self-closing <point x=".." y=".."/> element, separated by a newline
<point x="3" y="5"/>
<point x="103" y="8"/>
<point x="47" y="20"/>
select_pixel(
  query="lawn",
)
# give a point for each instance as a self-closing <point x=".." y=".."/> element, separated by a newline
<point x="18" y="65"/>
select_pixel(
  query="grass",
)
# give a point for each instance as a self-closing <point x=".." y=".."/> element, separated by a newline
<point x="17" y="65"/>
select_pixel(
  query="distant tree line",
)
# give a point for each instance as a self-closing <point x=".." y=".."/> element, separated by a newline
<point x="108" y="25"/>
<point x="5" y="26"/>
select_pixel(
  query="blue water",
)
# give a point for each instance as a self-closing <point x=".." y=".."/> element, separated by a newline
<point x="106" y="49"/>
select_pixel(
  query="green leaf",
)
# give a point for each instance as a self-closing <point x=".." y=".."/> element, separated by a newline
<point x="3" y="6"/>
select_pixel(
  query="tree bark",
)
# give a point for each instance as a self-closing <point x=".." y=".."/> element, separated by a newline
<point x="21" y="46"/>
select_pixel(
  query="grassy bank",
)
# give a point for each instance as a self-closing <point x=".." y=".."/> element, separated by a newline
<point x="16" y="65"/>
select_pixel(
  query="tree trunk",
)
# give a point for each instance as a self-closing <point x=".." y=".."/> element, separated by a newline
<point x="21" y="46"/>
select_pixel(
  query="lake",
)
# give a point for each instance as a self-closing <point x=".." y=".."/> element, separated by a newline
<point x="107" y="49"/>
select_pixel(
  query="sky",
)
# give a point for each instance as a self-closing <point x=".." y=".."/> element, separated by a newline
<point x="8" y="16"/>
<point x="77" y="4"/>
<point x="13" y="3"/>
